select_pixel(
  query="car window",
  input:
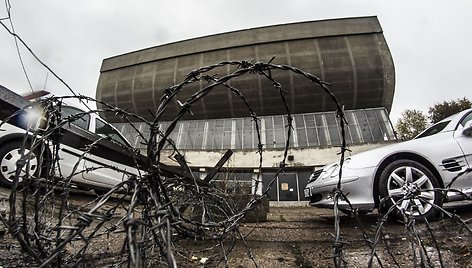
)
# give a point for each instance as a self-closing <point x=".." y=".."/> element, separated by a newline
<point x="433" y="130"/>
<point x="466" y="119"/>
<point x="102" y="129"/>
<point x="82" y="122"/>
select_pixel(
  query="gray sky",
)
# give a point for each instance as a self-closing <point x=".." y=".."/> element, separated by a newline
<point x="429" y="40"/>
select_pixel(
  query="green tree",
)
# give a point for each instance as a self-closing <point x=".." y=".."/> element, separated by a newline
<point x="411" y="123"/>
<point x="447" y="108"/>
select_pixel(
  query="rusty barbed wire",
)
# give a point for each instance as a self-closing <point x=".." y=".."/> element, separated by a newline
<point x="160" y="218"/>
<point x="155" y="212"/>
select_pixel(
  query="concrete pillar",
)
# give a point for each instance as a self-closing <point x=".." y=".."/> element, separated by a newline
<point x="203" y="172"/>
<point x="257" y="182"/>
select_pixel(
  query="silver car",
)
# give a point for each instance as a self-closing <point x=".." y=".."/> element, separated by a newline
<point x="110" y="161"/>
<point x="404" y="175"/>
<point x="106" y="169"/>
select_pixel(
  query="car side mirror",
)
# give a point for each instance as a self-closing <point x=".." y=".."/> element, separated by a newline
<point x="467" y="131"/>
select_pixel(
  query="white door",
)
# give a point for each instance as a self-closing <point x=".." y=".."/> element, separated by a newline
<point x="105" y="168"/>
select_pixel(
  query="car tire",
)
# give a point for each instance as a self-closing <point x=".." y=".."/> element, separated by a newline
<point x="408" y="186"/>
<point x="10" y="153"/>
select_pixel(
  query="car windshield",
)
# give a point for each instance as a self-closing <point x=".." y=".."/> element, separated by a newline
<point x="102" y="129"/>
<point x="466" y="119"/>
<point x="82" y="121"/>
<point x="433" y="130"/>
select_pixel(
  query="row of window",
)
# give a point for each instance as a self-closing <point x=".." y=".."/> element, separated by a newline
<point x="308" y="130"/>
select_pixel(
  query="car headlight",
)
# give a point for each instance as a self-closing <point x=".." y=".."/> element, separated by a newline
<point x="33" y="118"/>
<point x="315" y="175"/>
<point x="329" y="172"/>
<point x="332" y="171"/>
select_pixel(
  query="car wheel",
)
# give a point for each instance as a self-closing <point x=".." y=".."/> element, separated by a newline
<point x="409" y="186"/>
<point x="10" y="153"/>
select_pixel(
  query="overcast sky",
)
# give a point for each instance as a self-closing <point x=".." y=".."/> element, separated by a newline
<point x="430" y="40"/>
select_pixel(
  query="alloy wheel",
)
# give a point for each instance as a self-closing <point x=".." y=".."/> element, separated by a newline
<point x="411" y="190"/>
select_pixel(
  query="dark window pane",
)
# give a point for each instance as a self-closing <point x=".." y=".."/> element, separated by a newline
<point x="102" y="129"/>
<point x="299" y="121"/>
<point x="376" y="132"/>
<point x="323" y="136"/>
<point x="466" y="119"/>
<point x="80" y="121"/>
<point x="279" y="139"/>
<point x="270" y="184"/>
<point x="331" y="119"/>
<point x="371" y="118"/>
<point x="319" y="121"/>
<point x="355" y="133"/>
<point x="309" y="120"/>
<point x="334" y="135"/>
<point x="361" y="117"/>
<point x="366" y="133"/>
<point x="301" y="136"/>
<point x="312" y="137"/>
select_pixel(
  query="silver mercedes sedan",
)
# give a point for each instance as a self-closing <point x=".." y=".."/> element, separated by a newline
<point x="413" y="178"/>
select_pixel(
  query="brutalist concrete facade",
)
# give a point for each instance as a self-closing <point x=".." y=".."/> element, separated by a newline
<point x="351" y="54"/>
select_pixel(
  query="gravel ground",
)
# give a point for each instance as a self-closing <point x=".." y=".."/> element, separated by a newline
<point x="296" y="237"/>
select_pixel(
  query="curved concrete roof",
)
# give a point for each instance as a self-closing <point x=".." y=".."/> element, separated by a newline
<point x="351" y="54"/>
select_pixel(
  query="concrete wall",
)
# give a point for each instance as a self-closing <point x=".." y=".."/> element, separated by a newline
<point x="350" y="54"/>
<point x="271" y="158"/>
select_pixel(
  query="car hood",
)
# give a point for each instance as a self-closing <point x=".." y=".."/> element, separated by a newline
<point x="374" y="157"/>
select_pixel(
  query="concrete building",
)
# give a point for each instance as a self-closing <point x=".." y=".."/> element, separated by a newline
<point x="351" y="54"/>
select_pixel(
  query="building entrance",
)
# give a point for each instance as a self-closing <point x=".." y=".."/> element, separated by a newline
<point x="284" y="188"/>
